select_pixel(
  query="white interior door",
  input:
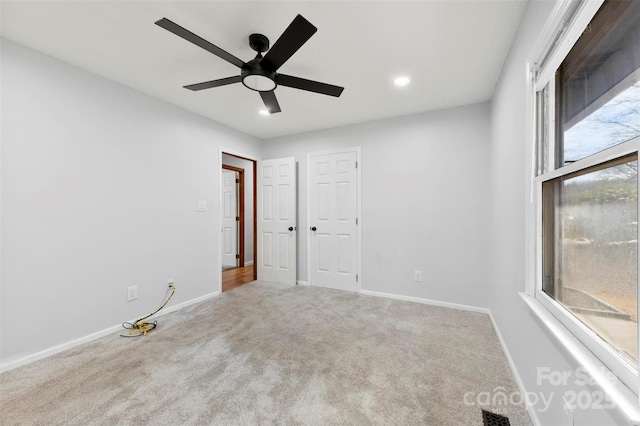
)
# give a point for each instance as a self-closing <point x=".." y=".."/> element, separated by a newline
<point x="333" y="224"/>
<point x="229" y="219"/>
<point x="277" y="220"/>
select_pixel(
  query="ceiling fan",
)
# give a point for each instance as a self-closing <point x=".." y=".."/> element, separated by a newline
<point x="260" y="74"/>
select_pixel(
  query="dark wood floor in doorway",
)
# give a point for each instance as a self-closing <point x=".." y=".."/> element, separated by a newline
<point x="236" y="277"/>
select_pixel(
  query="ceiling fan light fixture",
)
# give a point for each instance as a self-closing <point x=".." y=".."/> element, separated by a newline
<point x="256" y="78"/>
<point x="258" y="82"/>
<point x="261" y="73"/>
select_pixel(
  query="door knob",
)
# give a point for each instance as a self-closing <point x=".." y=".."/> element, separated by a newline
<point x="313" y="228"/>
<point x="291" y="228"/>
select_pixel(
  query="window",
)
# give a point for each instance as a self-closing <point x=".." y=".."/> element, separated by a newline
<point x="590" y="256"/>
<point x="587" y="137"/>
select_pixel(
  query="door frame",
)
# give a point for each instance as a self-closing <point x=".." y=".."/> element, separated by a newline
<point x="240" y="202"/>
<point x="358" y="208"/>
<point x="254" y="160"/>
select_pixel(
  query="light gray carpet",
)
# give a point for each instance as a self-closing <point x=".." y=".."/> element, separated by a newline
<point x="267" y="354"/>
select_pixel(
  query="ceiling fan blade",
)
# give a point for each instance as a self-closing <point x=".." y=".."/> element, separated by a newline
<point x="198" y="41"/>
<point x="270" y="101"/>
<point x="309" y="85"/>
<point x="214" y="83"/>
<point x="296" y="34"/>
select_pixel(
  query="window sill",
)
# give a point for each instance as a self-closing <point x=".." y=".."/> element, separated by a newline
<point x="626" y="401"/>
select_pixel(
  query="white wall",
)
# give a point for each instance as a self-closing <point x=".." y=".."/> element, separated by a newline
<point x="528" y="342"/>
<point x="248" y="202"/>
<point x="99" y="190"/>
<point x="424" y="201"/>
<point x="99" y="186"/>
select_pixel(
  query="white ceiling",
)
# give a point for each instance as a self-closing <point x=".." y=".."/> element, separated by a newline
<point x="453" y="51"/>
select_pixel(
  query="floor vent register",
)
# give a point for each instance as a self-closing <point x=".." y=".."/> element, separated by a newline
<point x="492" y="419"/>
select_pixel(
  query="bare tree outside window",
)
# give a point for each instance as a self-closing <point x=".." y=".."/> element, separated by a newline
<point x="616" y="122"/>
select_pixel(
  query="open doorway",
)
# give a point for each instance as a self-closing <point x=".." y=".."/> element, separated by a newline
<point x="233" y="212"/>
<point x="238" y="217"/>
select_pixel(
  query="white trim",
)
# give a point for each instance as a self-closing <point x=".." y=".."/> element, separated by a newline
<point x="305" y="283"/>
<point x="626" y="401"/>
<point x="617" y="151"/>
<point x="27" y="359"/>
<point x="564" y="27"/>
<point x="537" y="243"/>
<point x="427" y="301"/>
<point x="516" y="375"/>
<point x="248" y="263"/>
<point x="534" y="209"/>
<point x="505" y="350"/>
<point x="590" y="340"/>
<point x="627" y="373"/>
<point x="549" y="35"/>
<point x="530" y="172"/>
<point x="358" y="208"/>
<point x="179" y="306"/>
<point x="551" y="125"/>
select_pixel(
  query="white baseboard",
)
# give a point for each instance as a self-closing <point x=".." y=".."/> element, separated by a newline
<point x="27" y="359"/>
<point x="514" y="371"/>
<point x="512" y="366"/>
<point x="179" y="306"/>
<point x="248" y="263"/>
<point x="427" y="301"/>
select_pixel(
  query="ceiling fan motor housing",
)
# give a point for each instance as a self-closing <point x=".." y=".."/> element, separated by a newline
<point x="259" y="42"/>
<point x="260" y="74"/>
<point x="257" y="78"/>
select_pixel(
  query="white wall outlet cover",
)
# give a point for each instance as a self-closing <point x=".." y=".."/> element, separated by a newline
<point x="201" y="205"/>
<point x="132" y="293"/>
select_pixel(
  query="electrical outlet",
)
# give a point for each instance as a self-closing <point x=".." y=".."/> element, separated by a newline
<point x="132" y="293"/>
<point x="417" y="276"/>
<point x="170" y="282"/>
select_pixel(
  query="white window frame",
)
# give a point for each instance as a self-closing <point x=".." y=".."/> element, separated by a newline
<point x="567" y="21"/>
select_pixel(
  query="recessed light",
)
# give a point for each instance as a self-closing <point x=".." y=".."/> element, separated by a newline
<point x="264" y="112"/>
<point x="401" y="81"/>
